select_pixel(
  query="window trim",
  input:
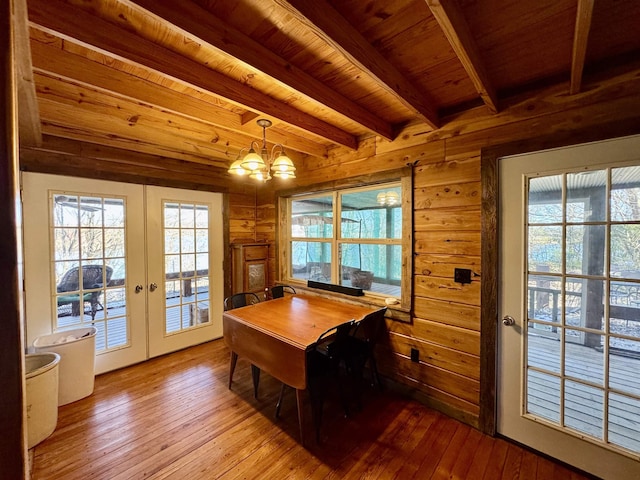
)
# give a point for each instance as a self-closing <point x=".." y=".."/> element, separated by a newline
<point x="283" y="235"/>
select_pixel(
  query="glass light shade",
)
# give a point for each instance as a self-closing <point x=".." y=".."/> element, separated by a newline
<point x="381" y="198"/>
<point x="260" y="175"/>
<point x="253" y="161"/>
<point x="392" y="198"/>
<point x="283" y="164"/>
<point x="284" y="175"/>
<point x="236" y="168"/>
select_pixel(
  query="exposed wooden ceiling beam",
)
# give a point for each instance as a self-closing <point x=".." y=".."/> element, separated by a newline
<point x="87" y="160"/>
<point x="198" y="22"/>
<point x="80" y="26"/>
<point x="30" y="132"/>
<point x="580" y="39"/>
<point x="456" y="29"/>
<point x="334" y="29"/>
<point x="51" y="60"/>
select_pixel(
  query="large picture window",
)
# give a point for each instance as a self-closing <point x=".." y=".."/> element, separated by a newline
<point x="358" y="237"/>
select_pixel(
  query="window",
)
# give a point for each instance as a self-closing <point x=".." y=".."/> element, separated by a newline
<point x="353" y="236"/>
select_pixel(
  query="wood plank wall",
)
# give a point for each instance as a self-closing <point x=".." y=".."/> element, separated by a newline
<point x="446" y="320"/>
<point x="446" y="325"/>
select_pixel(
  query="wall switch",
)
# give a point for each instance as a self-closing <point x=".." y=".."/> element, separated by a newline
<point x="462" y="275"/>
<point x="415" y="355"/>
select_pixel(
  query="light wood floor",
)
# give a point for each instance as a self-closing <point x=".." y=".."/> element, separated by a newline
<point x="174" y="417"/>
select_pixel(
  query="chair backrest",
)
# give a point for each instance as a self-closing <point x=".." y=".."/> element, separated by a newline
<point x="91" y="278"/>
<point x="238" y="300"/>
<point x="278" y="290"/>
<point x="370" y="327"/>
<point x="333" y="342"/>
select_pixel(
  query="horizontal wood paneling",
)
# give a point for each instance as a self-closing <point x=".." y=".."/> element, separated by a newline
<point x="457" y="338"/>
<point x="449" y="242"/>
<point x="443" y="384"/>
<point x="433" y="354"/>
<point x="458" y="218"/>
<point x="443" y="265"/>
<point x="443" y="172"/>
<point x="446" y="289"/>
<point x="448" y="313"/>
<point x="447" y="196"/>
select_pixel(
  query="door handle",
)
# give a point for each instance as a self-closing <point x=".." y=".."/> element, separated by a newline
<point x="508" y="320"/>
<point x="139" y="288"/>
<point x="153" y="286"/>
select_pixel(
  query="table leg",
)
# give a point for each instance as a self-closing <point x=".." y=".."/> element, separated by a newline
<point x="255" y="376"/>
<point x="300" y="414"/>
<point x="232" y="367"/>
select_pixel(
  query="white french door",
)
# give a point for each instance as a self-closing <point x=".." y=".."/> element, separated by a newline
<point x="96" y="254"/>
<point x="569" y="340"/>
<point x="185" y="283"/>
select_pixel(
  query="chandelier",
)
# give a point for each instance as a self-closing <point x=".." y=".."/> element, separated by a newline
<point x="260" y="166"/>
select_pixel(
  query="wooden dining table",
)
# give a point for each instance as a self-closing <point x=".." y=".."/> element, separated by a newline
<point x="276" y="336"/>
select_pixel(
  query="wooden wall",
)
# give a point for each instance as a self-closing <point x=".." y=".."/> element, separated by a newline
<point x="446" y="325"/>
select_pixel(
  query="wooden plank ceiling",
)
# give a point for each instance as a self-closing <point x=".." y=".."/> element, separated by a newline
<point x="187" y="80"/>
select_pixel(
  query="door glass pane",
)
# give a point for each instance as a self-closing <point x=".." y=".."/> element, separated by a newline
<point x="586" y="196"/>
<point x="582" y="304"/>
<point x="544" y="353"/>
<point x="544" y="299"/>
<point x="624" y="363"/>
<point x="544" y="204"/>
<point x="625" y="254"/>
<point x="583" y="408"/>
<point x="583" y="338"/>
<point x="89" y="267"/>
<point x="585" y="249"/>
<point x="624" y="418"/>
<point x="625" y="194"/>
<point x="186" y="286"/>
<point x="583" y="362"/>
<point x="545" y="248"/>
<point x="543" y="398"/>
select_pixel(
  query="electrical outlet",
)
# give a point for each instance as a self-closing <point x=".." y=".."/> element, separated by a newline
<point x="462" y="275"/>
<point x="415" y="355"/>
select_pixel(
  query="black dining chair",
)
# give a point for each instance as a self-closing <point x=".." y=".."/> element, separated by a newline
<point x="239" y="300"/>
<point x="359" y="348"/>
<point x="323" y="370"/>
<point x="278" y="291"/>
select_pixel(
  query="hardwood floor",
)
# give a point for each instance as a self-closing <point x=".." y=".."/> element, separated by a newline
<point x="174" y="417"/>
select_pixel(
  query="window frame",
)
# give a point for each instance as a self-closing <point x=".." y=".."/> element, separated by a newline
<point x="401" y="177"/>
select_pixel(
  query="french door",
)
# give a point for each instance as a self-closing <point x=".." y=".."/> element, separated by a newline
<point x="141" y="264"/>
<point x="569" y="341"/>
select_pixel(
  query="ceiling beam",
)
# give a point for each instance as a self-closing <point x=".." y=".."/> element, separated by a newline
<point x="30" y="132"/>
<point x="193" y="20"/>
<point x="80" y="26"/>
<point x="333" y="28"/>
<point x="53" y="61"/>
<point x="456" y="29"/>
<point x="580" y="39"/>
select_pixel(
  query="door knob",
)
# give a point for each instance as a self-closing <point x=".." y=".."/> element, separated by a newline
<point x="139" y="288"/>
<point x="153" y="286"/>
<point x="508" y="320"/>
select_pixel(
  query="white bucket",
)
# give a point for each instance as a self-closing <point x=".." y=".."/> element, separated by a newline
<point x="77" y="350"/>
<point x="41" y="395"/>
